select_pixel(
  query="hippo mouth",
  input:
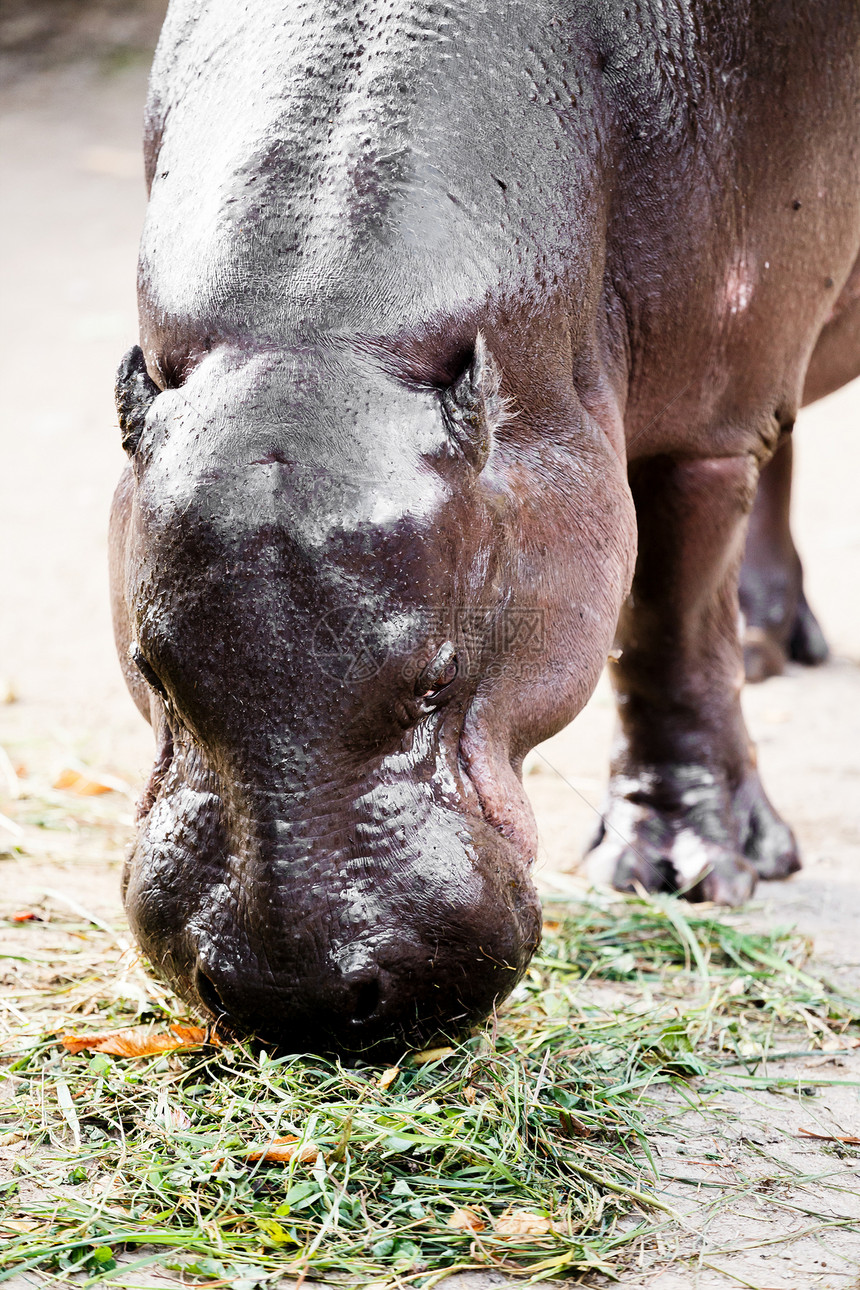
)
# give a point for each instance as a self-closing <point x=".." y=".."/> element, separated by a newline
<point x="158" y="774"/>
<point x="332" y="921"/>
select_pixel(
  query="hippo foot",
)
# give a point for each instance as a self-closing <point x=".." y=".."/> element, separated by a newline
<point x="766" y="650"/>
<point x="807" y="643"/>
<point x="680" y="830"/>
<point x="766" y="840"/>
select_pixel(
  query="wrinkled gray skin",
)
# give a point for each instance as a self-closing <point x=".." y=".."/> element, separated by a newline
<point x="453" y="307"/>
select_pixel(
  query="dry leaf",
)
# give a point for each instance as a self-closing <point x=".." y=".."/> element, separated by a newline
<point x="282" y="1150"/>
<point x="574" y="1127"/>
<point x="388" y="1077"/>
<point x="849" y="1138"/>
<point x="520" y="1224"/>
<point x="9" y="1139"/>
<point x="470" y="1094"/>
<point x="466" y="1220"/>
<point x="138" y="1041"/>
<point x="430" y="1055"/>
<point x="88" y="784"/>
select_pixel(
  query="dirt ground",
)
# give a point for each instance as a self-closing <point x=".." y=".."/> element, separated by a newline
<point x="70" y="212"/>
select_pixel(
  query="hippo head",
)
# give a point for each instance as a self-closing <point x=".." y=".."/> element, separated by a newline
<point x="336" y="611"/>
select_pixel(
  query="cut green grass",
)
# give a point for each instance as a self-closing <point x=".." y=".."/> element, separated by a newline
<point x="525" y="1149"/>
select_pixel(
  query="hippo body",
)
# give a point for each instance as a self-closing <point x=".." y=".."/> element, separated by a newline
<point x="466" y="329"/>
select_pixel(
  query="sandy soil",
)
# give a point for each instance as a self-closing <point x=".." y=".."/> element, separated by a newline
<point x="71" y="209"/>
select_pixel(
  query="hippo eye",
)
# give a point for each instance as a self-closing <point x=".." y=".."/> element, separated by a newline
<point x="146" y="671"/>
<point x="437" y="675"/>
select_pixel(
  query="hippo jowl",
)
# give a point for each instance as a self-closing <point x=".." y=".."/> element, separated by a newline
<point x="466" y="330"/>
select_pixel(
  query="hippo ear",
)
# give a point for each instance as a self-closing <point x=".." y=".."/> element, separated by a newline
<point x="134" y="392"/>
<point x="474" y="406"/>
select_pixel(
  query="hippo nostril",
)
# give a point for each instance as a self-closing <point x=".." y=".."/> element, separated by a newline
<point x="366" y="999"/>
<point x="207" y="994"/>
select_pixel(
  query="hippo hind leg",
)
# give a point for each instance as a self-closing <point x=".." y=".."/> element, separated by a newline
<point x="778" y="623"/>
<point x="686" y="810"/>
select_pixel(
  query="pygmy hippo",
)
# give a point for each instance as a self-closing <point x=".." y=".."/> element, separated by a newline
<point x="465" y="331"/>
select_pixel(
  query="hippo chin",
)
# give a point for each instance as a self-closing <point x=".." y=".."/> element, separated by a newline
<point x="463" y="342"/>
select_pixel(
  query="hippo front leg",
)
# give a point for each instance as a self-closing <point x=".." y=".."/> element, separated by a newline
<point x="687" y="811"/>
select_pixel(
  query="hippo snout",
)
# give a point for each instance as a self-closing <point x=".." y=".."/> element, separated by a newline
<point x="403" y="993"/>
<point x="348" y="939"/>
<point x="335" y="1011"/>
<point x="356" y="1001"/>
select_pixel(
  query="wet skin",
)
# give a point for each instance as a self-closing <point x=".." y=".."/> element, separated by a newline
<point x="462" y="345"/>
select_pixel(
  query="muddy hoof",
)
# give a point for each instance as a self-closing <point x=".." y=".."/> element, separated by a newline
<point x="673" y="832"/>
<point x="767" y="841"/>
<point x="766" y="651"/>
<point x="806" y="644"/>
<point x="724" y="879"/>
<point x="689" y="867"/>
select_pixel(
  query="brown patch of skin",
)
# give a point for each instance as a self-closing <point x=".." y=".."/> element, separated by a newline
<point x="438" y="329"/>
